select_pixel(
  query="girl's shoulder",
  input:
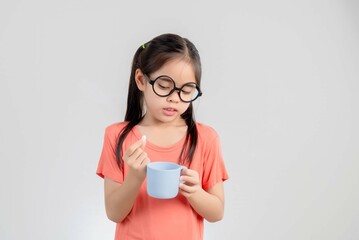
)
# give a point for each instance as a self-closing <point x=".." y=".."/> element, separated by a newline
<point x="115" y="128"/>
<point x="206" y="132"/>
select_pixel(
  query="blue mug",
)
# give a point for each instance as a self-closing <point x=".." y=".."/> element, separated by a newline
<point x="163" y="179"/>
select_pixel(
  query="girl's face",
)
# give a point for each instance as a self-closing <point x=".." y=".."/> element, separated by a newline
<point x="166" y="109"/>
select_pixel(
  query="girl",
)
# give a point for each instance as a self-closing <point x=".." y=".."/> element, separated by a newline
<point x="165" y="80"/>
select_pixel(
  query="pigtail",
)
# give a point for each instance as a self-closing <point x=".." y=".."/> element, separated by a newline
<point x="190" y="143"/>
<point x="134" y="107"/>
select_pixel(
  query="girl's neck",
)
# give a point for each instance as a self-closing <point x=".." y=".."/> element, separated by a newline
<point x="163" y="134"/>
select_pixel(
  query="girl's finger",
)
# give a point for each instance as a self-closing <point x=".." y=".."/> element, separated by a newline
<point x="189" y="180"/>
<point x="184" y="171"/>
<point x="139" y="144"/>
<point x="188" y="173"/>
<point x="186" y="188"/>
<point x="144" y="162"/>
<point x="140" y="159"/>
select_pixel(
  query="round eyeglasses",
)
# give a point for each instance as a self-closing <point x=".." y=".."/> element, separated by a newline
<point x="164" y="86"/>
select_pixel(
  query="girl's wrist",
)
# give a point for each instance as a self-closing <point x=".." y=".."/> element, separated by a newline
<point x="134" y="179"/>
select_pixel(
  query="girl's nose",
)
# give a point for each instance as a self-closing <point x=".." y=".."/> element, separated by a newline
<point x="174" y="97"/>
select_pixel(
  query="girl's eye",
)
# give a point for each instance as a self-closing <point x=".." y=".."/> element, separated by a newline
<point x="186" y="93"/>
<point x="164" y="83"/>
<point x="163" y="86"/>
<point x="189" y="89"/>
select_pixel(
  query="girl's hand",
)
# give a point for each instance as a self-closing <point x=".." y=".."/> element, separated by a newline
<point x="191" y="183"/>
<point x="136" y="159"/>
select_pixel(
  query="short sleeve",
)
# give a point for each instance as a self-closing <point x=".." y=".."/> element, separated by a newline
<point x="107" y="165"/>
<point x="214" y="167"/>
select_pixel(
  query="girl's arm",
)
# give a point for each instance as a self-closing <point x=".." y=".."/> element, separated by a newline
<point x="210" y="204"/>
<point x="119" y="198"/>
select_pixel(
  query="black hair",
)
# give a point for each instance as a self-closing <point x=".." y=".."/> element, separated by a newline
<point x="150" y="57"/>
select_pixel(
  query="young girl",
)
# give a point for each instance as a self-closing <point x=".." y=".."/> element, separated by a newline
<point x="165" y="80"/>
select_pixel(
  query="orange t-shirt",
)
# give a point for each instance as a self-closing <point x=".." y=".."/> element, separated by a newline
<point x="163" y="219"/>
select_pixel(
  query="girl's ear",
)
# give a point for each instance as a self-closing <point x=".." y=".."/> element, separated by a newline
<point x="140" y="80"/>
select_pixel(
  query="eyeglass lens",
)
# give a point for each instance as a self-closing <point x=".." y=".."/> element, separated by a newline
<point x="163" y="86"/>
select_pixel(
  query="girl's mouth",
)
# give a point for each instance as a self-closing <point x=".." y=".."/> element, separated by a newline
<point x="169" y="111"/>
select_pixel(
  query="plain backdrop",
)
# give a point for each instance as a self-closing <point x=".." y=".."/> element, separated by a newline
<point x="281" y="87"/>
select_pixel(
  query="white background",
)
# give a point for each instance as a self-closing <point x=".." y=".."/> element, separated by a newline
<point x="280" y="83"/>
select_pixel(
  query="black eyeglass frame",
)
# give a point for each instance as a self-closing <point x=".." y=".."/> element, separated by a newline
<point x="179" y="90"/>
